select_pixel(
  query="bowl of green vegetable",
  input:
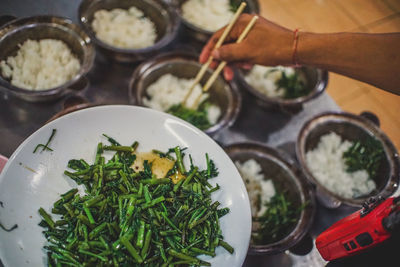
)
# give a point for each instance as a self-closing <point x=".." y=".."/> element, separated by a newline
<point x="163" y="82"/>
<point x="128" y="186"/>
<point x="284" y="88"/>
<point x="348" y="158"/>
<point x="282" y="200"/>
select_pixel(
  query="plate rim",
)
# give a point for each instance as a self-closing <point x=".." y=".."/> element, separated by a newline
<point x="129" y="107"/>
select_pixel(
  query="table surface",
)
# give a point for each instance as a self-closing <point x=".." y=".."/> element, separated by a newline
<point x="109" y="85"/>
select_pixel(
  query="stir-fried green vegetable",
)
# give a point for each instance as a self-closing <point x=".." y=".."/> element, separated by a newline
<point x="128" y="218"/>
<point x="46" y="146"/>
<point x="364" y="156"/>
<point x="197" y="117"/>
<point x="15" y="226"/>
<point x="294" y="86"/>
<point x="277" y="221"/>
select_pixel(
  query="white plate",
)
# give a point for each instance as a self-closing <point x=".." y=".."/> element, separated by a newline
<point x="30" y="181"/>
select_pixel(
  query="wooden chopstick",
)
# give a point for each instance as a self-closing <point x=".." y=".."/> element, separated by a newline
<point x="220" y="41"/>
<point x="222" y="65"/>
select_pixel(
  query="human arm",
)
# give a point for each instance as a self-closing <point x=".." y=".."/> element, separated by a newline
<point x="371" y="58"/>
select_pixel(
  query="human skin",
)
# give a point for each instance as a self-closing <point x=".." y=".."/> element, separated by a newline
<point x="371" y="58"/>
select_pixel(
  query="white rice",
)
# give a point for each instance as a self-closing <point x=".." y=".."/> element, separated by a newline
<point x="40" y="65"/>
<point x="209" y="15"/>
<point x="264" y="79"/>
<point x="327" y="165"/>
<point x="260" y="190"/>
<point x="170" y="90"/>
<point x="123" y="28"/>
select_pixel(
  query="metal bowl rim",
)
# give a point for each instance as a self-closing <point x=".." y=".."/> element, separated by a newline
<point x="85" y="66"/>
<point x="164" y="41"/>
<point x="317" y="90"/>
<point x="301" y="139"/>
<point x="224" y="122"/>
<point x="306" y="191"/>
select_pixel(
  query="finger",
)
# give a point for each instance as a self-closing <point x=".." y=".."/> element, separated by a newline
<point x="228" y="73"/>
<point x="205" y="54"/>
<point x="207" y="49"/>
<point x="232" y="36"/>
<point x="231" y="52"/>
<point x="214" y="64"/>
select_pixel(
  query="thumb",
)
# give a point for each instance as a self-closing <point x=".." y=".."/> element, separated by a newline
<point x="231" y="52"/>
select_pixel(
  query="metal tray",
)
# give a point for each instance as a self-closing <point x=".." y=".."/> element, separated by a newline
<point x="109" y="85"/>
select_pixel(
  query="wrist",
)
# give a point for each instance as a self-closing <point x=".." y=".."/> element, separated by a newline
<point x="311" y="49"/>
<point x="283" y="54"/>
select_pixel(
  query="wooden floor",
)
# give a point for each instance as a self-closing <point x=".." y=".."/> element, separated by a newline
<point x="373" y="16"/>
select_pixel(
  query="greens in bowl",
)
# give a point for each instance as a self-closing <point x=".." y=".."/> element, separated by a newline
<point x="33" y="180"/>
<point x="129" y="215"/>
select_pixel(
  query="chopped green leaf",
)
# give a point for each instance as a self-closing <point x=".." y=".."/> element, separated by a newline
<point x="365" y="155"/>
<point x="294" y="86"/>
<point x="128" y="218"/>
<point x="278" y="220"/>
<point x="46" y="146"/>
<point x="198" y="118"/>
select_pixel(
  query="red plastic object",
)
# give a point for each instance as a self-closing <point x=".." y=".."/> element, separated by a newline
<point x="3" y="161"/>
<point x="355" y="233"/>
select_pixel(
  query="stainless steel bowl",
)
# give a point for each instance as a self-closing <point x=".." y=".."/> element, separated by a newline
<point x="353" y="128"/>
<point x="15" y="32"/>
<point x="316" y="80"/>
<point x="201" y="35"/>
<point x="183" y="65"/>
<point x="161" y="14"/>
<point x="277" y="166"/>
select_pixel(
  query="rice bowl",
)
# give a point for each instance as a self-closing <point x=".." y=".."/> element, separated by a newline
<point x="40" y="65"/>
<point x="156" y="27"/>
<point x="267" y="96"/>
<point x="259" y="188"/>
<point x="277" y="82"/>
<point x="224" y="95"/>
<point x="124" y="28"/>
<point x="350" y="127"/>
<point x="285" y="178"/>
<point x="328" y="166"/>
<point x="18" y="31"/>
<point x="170" y="90"/>
<point x="197" y="32"/>
<point x="209" y="15"/>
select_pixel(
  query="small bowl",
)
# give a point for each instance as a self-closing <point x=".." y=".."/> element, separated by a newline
<point x="184" y="65"/>
<point x="161" y="14"/>
<point x="353" y="128"/>
<point x="277" y="166"/>
<point x="201" y="35"/>
<point x="17" y="31"/>
<point x="316" y="79"/>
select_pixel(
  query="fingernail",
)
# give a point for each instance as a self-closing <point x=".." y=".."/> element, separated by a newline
<point x="215" y="54"/>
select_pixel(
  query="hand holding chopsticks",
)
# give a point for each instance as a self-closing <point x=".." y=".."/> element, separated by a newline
<point x="205" y="66"/>
<point x="221" y="65"/>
